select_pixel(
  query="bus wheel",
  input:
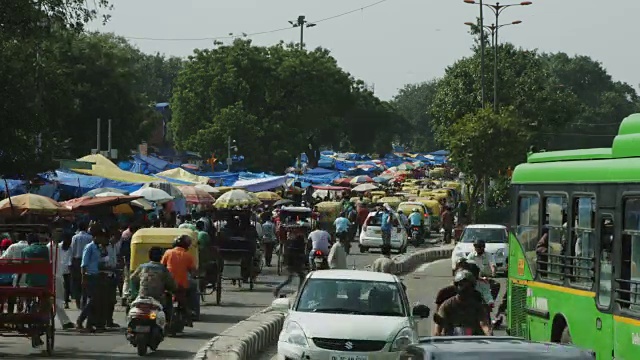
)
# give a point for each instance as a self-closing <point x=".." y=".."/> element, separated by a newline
<point x="565" y="338"/>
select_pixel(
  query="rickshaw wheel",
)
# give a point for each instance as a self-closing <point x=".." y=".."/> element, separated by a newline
<point x="50" y="332"/>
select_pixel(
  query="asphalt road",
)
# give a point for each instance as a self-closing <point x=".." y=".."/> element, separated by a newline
<point x="237" y="305"/>
<point x="422" y="287"/>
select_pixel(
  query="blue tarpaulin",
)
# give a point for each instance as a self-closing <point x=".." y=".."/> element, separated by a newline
<point x="78" y="184"/>
<point x="16" y="187"/>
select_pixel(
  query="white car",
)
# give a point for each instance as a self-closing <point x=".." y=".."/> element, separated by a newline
<point x="495" y="237"/>
<point x="348" y="315"/>
<point x="371" y="235"/>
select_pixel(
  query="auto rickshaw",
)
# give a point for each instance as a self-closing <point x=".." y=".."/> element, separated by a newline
<point x="453" y="184"/>
<point x="329" y="211"/>
<point x="144" y="239"/>
<point x="379" y="193"/>
<point x="434" y="211"/>
<point x="293" y="220"/>
<point x="407" y="208"/>
<point x="393" y="201"/>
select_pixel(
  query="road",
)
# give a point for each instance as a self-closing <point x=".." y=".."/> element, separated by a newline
<point x="237" y="305"/>
<point x="422" y="287"/>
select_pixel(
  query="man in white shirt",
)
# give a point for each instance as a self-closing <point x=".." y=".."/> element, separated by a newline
<point x="485" y="261"/>
<point x="320" y="240"/>
<point x="61" y="259"/>
<point x="15" y="250"/>
<point x="337" y="256"/>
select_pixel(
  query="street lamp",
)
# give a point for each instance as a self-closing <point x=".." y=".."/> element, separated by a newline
<point x="497" y="9"/>
<point x="231" y="145"/>
<point x="301" y="23"/>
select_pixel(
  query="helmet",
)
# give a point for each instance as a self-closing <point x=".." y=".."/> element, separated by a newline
<point x="479" y="243"/>
<point x="473" y="268"/>
<point x="416" y="210"/>
<point x="183" y="241"/>
<point x="400" y="212"/>
<point x="464" y="276"/>
<point x="461" y="263"/>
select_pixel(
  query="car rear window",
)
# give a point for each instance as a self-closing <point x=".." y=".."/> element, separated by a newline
<point x="375" y="220"/>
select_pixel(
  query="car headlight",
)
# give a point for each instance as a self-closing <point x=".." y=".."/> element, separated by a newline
<point x="292" y="333"/>
<point x="404" y="338"/>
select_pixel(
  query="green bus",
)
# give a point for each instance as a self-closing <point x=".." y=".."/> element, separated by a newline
<point x="574" y="252"/>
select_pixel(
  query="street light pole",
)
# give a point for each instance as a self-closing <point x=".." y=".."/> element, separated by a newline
<point x="229" y="148"/>
<point x="301" y="23"/>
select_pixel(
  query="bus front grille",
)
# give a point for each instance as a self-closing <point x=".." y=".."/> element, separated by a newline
<point x="518" y="315"/>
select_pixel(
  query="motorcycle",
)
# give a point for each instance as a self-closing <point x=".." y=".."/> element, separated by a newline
<point x="342" y="236"/>
<point x="416" y="237"/>
<point x="145" y="324"/>
<point x="178" y="318"/>
<point x="320" y="261"/>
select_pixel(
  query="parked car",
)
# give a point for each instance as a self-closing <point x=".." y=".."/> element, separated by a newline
<point x="491" y="348"/>
<point x="371" y="235"/>
<point x="495" y="237"/>
<point x="332" y="314"/>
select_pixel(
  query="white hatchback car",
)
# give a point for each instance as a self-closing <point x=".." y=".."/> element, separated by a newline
<point x="371" y="235"/>
<point x="348" y="315"/>
<point x="495" y="237"/>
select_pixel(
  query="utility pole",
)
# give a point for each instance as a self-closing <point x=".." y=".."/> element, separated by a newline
<point x="301" y="23"/>
<point x="109" y="138"/>
<point x="98" y="139"/>
<point x="229" y="148"/>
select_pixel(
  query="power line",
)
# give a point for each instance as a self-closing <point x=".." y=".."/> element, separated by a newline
<point x="254" y="33"/>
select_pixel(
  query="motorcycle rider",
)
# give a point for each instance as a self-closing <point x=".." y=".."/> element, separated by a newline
<point x="320" y="240"/>
<point x="342" y="226"/>
<point x="181" y="265"/>
<point x="464" y="310"/>
<point x="152" y="279"/>
<point x="450" y="291"/>
<point x="404" y="221"/>
<point x="487" y="264"/>
<point x="416" y="219"/>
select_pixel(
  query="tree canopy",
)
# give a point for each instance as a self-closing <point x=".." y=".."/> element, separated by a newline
<point x="276" y="102"/>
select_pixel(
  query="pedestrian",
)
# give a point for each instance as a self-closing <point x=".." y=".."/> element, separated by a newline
<point x="447" y="224"/>
<point x="61" y="281"/>
<point x="268" y="238"/>
<point x="90" y="271"/>
<point x="78" y="242"/>
<point x="295" y="256"/>
<point x="110" y="271"/>
<point x="337" y="256"/>
<point x="125" y="258"/>
<point x="363" y="213"/>
<point x="64" y="267"/>
<point x="385" y="226"/>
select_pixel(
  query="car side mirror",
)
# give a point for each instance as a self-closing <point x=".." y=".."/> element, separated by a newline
<point x="281" y="304"/>
<point x="421" y="311"/>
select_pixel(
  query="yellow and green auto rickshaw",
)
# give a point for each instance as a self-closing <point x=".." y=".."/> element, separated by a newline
<point x="144" y="239"/>
<point x="434" y="211"/>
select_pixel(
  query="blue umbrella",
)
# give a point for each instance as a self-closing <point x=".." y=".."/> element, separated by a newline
<point x="381" y="179"/>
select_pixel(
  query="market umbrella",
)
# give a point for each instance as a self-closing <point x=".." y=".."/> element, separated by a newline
<point x="365" y="187"/>
<point x="362" y="179"/>
<point x="153" y="194"/>
<point x="406" y="167"/>
<point x="194" y="195"/>
<point x="235" y="198"/>
<point x="365" y="166"/>
<point x="382" y="179"/>
<point x="283" y="202"/>
<point x="268" y="196"/>
<point x="342" y="181"/>
<point x="140" y="202"/>
<point x="98" y="191"/>
<point x="31" y="204"/>
<point x="86" y="202"/>
<point x="208" y="188"/>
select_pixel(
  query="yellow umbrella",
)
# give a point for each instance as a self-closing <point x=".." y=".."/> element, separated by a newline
<point x="236" y="198"/>
<point x="122" y="209"/>
<point x="31" y="204"/>
<point x="268" y="196"/>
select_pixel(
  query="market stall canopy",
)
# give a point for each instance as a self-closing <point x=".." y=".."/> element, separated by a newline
<point x="86" y="202"/>
<point x="194" y="195"/>
<point x="382" y="179"/>
<point x="30" y="204"/>
<point x="208" y="188"/>
<point x="330" y="188"/>
<point x="153" y="194"/>
<point x="141" y="202"/>
<point x="342" y="181"/>
<point x="99" y="191"/>
<point x="283" y="202"/>
<point x="268" y="196"/>
<point x="105" y="168"/>
<point x="365" y="187"/>
<point x="236" y="198"/>
<point x="184" y="175"/>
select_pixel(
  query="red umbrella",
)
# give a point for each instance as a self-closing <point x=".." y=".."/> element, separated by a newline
<point x="89" y="202"/>
<point x="342" y="181"/>
<point x="193" y="195"/>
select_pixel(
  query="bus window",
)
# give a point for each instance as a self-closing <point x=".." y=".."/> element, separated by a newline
<point x="527" y="230"/>
<point x="583" y="241"/>
<point x="606" y="262"/>
<point x="629" y="289"/>
<point x="550" y="249"/>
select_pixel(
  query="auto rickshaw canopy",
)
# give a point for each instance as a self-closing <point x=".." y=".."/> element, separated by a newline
<point x="144" y="239"/>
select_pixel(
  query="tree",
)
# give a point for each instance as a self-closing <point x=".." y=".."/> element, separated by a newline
<point x="483" y="144"/>
<point x="525" y="83"/>
<point x="413" y="102"/>
<point x="160" y="73"/>
<point x="290" y="101"/>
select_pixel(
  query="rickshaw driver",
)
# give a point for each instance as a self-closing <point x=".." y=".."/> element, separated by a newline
<point x="181" y="264"/>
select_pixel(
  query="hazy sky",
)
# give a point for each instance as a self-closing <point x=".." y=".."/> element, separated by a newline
<point x="392" y="43"/>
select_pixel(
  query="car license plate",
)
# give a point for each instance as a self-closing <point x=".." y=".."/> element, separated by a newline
<point x="318" y="261"/>
<point x="143" y="329"/>
<point x="349" y="357"/>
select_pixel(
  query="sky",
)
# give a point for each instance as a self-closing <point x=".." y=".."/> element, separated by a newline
<point x="392" y="43"/>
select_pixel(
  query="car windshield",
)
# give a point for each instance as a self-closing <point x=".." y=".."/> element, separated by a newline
<point x="490" y="236"/>
<point x="343" y="296"/>
<point x="375" y="220"/>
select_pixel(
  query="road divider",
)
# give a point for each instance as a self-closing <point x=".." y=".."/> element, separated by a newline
<point x="256" y="334"/>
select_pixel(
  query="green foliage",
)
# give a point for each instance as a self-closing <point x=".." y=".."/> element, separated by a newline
<point x="287" y="101"/>
<point x="413" y="102"/>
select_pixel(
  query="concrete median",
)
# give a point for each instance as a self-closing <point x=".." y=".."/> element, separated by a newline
<point x="255" y="335"/>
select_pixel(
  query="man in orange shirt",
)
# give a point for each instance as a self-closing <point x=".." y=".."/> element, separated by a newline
<point x="181" y="264"/>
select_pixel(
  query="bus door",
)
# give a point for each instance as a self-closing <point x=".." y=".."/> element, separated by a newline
<point x="604" y="284"/>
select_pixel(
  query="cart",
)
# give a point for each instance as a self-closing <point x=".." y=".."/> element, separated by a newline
<point x="294" y="220"/>
<point x="29" y="311"/>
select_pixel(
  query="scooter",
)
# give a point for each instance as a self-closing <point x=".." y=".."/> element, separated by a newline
<point x="320" y="261"/>
<point x="145" y="324"/>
